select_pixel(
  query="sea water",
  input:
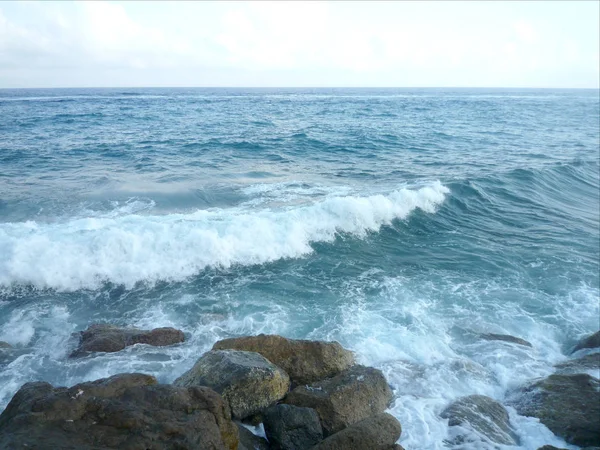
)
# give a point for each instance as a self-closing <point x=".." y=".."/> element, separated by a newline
<point x="400" y="222"/>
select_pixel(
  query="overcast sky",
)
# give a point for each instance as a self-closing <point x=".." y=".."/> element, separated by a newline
<point x="402" y="44"/>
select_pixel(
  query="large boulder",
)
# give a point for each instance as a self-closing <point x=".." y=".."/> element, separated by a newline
<point x="304" y="361"/>
<point x="353" y="395"/>
<point x="246" y="380"/>
<point x="569" y="405"/>
<point x="109" y="338"/>
<point x="505" y="338"/>
<point x="379" y="432"/>
<point x="483" y="415"/>
<point x="291" y="427"/>
<point x="127" y="411"/>
<point x="592" y="341"/>
<point x="587" y="364"/>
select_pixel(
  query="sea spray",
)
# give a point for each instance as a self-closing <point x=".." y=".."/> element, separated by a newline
<point x="84" y="253"/>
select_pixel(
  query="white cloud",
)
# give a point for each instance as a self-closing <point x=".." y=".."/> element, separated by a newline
<point x="526" y="31"/>
<point x="388" y="43"/>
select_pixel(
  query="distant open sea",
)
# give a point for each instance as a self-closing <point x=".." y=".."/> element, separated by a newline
<point x="399" y="222"/>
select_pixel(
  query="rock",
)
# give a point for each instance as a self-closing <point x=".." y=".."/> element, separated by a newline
<point x="108" y="338"/>
<point x="484" y="415"/>
<point x="379" y="432"/>
<point x="304" y="361"/>
<point x="250" y="441"/>
<point x="5" y="345"/>
<point x="550" y="447"/>
<point x="246" y="380"/>
<point x="253" y="420"/>
<point x="569" y="405"/>
<point x="505" y="338"/>
<point x="127" y="411"/>
<point x="581" y="365"/>
<point x="291" y="427"/>
<point x="353" y="395"/>
<point x="592" y="341"/>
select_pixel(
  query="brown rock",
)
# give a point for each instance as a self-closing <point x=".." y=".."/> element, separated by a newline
<point x="569" y="405"/>
<point x="351" y="396"/>
<point x="246" y="380"/>
<point x="127" y="411"/>
<point x="505" y="338"/>
<point x="109" y="338"/>
<point x="592" y="341"/>
<point x="379" y="432"/>
<point x="304" y="361"/>
<point x="290" y="427"/>
<point x="580" y="365"/>
<point x="249" y="441"/>
<point x="484" y="415"/>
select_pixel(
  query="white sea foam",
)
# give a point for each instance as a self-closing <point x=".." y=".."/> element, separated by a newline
<point x="409" y="332"/>
<point x="126" y="249"/>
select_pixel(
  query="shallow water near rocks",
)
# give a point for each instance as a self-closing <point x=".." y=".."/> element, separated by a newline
<point x="401" y="223"/>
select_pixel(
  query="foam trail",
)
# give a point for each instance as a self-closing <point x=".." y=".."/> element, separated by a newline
<point x="83" y="253"/>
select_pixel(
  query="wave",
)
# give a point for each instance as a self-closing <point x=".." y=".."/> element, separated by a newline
<point x="84" y="253"/>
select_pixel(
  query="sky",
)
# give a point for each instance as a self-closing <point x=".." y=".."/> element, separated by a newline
<point x="303" y="44"/>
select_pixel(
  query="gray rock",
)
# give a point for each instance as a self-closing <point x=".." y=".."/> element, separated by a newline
<point x="581" y="365"/>
<point x="5" y="345"/>
<point x="109" y="338"/>
<point x="550" y="447"/>
<point x="505" y="338"/>
<point x="484" y="415"/>
<point x="246" y="380"/>
<point x="379" y="432"/>
<point x="304" y="361"/>
<point x="592" y="341"/>
<point x="569" y="405"/>
<point x="291" y="427"/>
<point x="127" y="411"/>
<point x="250" y="441"/>
<point x="353" y="395"/>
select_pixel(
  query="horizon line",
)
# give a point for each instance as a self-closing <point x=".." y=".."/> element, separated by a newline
<point x="299" y="87"/>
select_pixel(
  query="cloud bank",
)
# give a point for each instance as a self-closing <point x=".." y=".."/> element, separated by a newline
<point x="487" y="44"/>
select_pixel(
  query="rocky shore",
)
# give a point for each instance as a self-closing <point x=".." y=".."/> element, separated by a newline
<point x="269" y="392"/>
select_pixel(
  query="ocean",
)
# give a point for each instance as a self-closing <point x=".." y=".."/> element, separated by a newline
<point x="400" y="222"/>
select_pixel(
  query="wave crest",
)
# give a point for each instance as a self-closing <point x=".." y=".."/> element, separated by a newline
<point x="85" y="253"/>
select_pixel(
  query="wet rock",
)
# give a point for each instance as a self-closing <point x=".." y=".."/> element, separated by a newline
<point x="291" y="427"/>
<point x="253" y="420"/>
<point x="127" y="411"/>
<point x="353" y="395"/>
<point x="246" y="380"/>
<point x="505" y="338"/>
<point x="109" y="338"/>
<point x="550" y="447"/>
<point x="379" y="432"/>
<point x="589" y="363"/>
<point x="304" y="361"/>
<point x="484" y="415"/>
<point x="250" y="441"/>
<point x="569" y="405"/>
<point x="592" y="341"/>
<point x="5" y="345"/>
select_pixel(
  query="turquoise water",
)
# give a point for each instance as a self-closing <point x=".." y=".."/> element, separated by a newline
<point x="398" y="222"/>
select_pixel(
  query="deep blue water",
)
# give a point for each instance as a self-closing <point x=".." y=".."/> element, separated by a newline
<point x="397" y="221"/>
